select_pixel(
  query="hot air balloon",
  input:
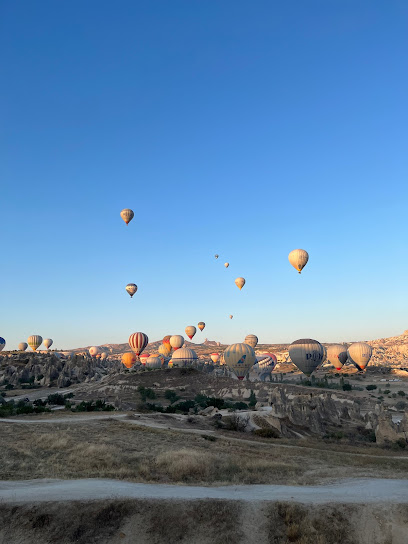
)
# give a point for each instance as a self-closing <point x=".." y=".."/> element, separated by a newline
<point x="190" y="331"/>
<point x="239" y="358"/>
<point x="215" y="357"/>
<point x="231" y="316"/>
<point x="2" y="343"/>
<point x="226" y="265"/>
<point x="216" y="256"/>
<point x="129" y="359"/>
<point x="143" y="358"/>
<point x="184" y="357"/>
<point x="201" y="325"/>
<point x="153" y="362"/>
<point x="22" y="346"/>
<point x="306" y="354"/>
<point x="337" y="355"/>
<point x="131" y="288"/>
<point x="48" y="343"/>
<point x="138" y="341"/>
<point x="104" y="356"/>
<point x="360" y="354"/>
<point x="170" y="364"/>
<point x="164" y="350"/>
<point x="324" y="354"/>
<point x="176" y="342"/>
<point x="34" y="341"/>
<point x="166" y="341"/>
<point x="240" y="282"/>
<point x="251" y="340"/>
<point x="94" y="351"/>
<point x="267" y="360"/>
<point x="127" y="215"/>
<point x="298" y="259"/>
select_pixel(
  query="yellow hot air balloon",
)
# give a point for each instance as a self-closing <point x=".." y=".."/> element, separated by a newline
<point x="201" y="325"/>
<point x="306" y="354"/>
<point x="129" y="359"/>
<point x="298" y="259"/>
<point x="34" y="341"/>
<point x="166" y="341"/>
<point x="164" y="350"/>
<point x="226" y="265"/>
<point x="360" y="354"/>
<point x="215" y="357"/>
<point x="131" y="288"/>
<point x="240" y="282"/>
<point x="251" y="340"/>
<point x="190" y="331"/>
<point x="127" y="215"/>
<point x="239" y="358"/>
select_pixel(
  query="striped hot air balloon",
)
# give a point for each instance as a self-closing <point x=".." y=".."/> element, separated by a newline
<point x="34" y="341"/>
<point x="251" y="340"/>
<point x="138" y="341"/>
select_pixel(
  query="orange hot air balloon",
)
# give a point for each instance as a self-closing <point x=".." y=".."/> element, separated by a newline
<point x="143" y="358"/>
<point x="166" y="341"/>
<point x="129" y="359"/>
<point x="201" y="325"/>
<point x="240" y="282"/>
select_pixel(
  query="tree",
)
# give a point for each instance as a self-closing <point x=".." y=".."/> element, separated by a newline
<point x="252" y="399"/>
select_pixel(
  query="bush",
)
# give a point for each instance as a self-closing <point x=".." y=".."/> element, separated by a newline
<point x="401" y="405"/>
<point x="387" y="391"/>
<point x="91" y="406"/>
<point x="371" y="387"/>
<point x="146" y="393"/>
<point x="401" y="393"/>
<point x="252" y="399"/>
<point x="267" y="433"/>
<point x="9" y="386"/>
<point x="56" y="398"/>
<point x="347" y="387"/>
<point x="171" y="396"/>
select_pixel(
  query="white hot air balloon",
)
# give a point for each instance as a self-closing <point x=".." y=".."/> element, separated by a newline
<point x="34" y="341"/>
<point x="240" y="282"/>
<point x="251" y="340"/>
<point x="190" y="331"/>
<point x="22" y="346"/>
<point x="239" y="358"/>
<point x="337" y="355"/>
<point x="360" y="354"/>
<point x="184" y="357"/>
<point x="94" y="351"/>
<point x="131" y="288"/>
<point x="176" y="342"/>
<point x="153" y="362"/>
<point x="48" y="343"/>
<point x="306" y="354"/>
<point x="104" y="356"/>
<point x="127" y="215"/>
<point x="298" y="259"/>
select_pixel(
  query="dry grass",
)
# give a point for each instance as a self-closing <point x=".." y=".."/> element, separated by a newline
<point x="114" y="449"/>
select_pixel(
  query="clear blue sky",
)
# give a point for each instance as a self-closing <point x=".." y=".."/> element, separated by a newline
<point x="246" y="129"/>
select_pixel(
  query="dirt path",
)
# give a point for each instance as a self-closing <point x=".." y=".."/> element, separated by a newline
<point x="343" y="491"/>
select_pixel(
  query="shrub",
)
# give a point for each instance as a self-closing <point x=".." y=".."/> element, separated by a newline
<point x="171" y="396"/>
<point x="387" y="391"/>
<point x="347" y="387"/>
<point x="252" y="399"/>
<point x="267" y="433"/>
<point x="401" y="393"/>
<point x="91" y="406"/>
<point x="401" y="405"/>
<point x="146" y="393"/>
<point x="371" y="387"/>
<point x="56" y="398"/>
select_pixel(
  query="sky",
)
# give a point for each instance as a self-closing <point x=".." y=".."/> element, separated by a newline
<point x="245" y="129"/>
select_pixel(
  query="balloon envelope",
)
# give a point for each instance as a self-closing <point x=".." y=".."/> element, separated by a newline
<point x="176" y="341"/>
<point x="201" y="325"/>
<point x="143" y="358"/>
<point x="129" y="359"/>
<point x="153" y="362"/>
<point x="337" y="355"/>
<point x="226" y="265"/>
<point x="251" y="340"/>
<point x="190" y="331"/>
<point x="306" y="354"/>
<point x="239" y="358"/>
<point x="93" y="351"/>
<point x="240" y="282"/>
<point x="298" y="259"/>
<point x="184" y="357"/>
<point x="48" y="343"/>
<point x="215" y="357"/>
<point x="34" y="341"/>
<point x="131" y="288"/>
<point x="138" y="341"/>
<point x="360" y="354"/>
<point x="231" y="316"/>
<point x="216" y="256"/>
<point x="22" y="346"/>
<point x="127" y="215"/>
<point x="164" y="349"/>
<point x="2" y="343"/>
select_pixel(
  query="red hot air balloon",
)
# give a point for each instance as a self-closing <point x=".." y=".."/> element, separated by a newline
<point x="138" y="341"/>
